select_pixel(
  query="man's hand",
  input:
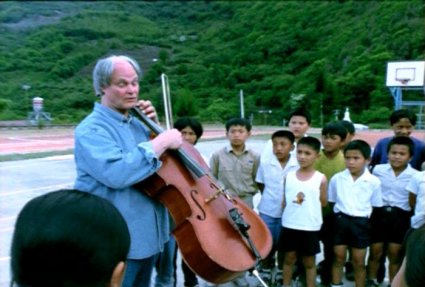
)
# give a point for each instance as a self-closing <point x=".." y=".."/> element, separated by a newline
<point x="169" y="139"/>
<point x="148" y="109"/>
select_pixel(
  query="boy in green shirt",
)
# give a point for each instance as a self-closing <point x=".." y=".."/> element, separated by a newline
<point x="330" y="162"/>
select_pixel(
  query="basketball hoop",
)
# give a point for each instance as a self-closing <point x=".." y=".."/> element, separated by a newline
<point x="406" y="74"/>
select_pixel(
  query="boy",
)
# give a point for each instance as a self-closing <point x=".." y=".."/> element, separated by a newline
<point x="191" y="130"/>
<point x="235" y="167"/>
<point x="402" y="122"/>
<point x="416" y="189"/>
<point x="354" y="192"/>
<point x="351" y="132"/>
<point x="299" y="123"/>
<point x="390" y="223"/>
<point x="330" y="162"/>
<point x="69" y="238"/>
<point x="304" y="196"/>
<point x="331" y="158"/>
<point x="270" y="182"/>
<point x="412" y="271"/>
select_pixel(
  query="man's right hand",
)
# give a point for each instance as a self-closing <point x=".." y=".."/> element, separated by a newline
<point x="169" y="139"/>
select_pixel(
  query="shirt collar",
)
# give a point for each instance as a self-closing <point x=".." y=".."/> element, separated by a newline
<point x="364" y="177"/>
<point x="104" y="110"/>
<point x="230" y="149"/>
<point x="388" y="168"/>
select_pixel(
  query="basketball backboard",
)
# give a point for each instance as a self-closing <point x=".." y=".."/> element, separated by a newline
<point x="406" y="74"/>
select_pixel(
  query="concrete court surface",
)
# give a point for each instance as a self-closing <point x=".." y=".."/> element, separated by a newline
<point x="23" y="180"/>
<point x="20" y="181"/>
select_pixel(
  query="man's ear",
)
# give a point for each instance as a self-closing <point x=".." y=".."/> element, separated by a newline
<point x="118" y="275"/>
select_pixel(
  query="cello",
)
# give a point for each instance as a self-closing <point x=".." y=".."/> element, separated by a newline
<point x="218" y="235"/>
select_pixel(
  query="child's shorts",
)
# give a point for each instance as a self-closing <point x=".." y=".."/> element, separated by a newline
<point x="305" y="243"/>
<point x="352" y="231"/>
<point x="389" y="225"/>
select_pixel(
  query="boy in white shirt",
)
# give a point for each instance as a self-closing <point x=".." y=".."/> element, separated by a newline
<point x="299" y="123"/>
<point x="269" y="179"/>
<point x="390" y="223"/>
<point x="354" y="191"/>
<point x="304" y="196"/>
<point x="416" y="189"/>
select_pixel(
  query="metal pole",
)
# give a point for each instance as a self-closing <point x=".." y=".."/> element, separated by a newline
<point x="167" y="101"/>
<point x="398" y="97"/>
<point x="242" y="105"/>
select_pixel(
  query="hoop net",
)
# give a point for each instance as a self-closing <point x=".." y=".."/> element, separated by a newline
<point x="403" y="81"/>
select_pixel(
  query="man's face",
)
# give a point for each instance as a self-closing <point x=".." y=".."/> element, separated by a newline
<point x="122" y="93"/>
<point x="298" y="126"/>
<point x="402" y="128"/>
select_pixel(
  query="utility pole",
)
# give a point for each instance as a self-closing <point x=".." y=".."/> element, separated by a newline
<point x="242" y="104"/>
<point x="26" y="87"/>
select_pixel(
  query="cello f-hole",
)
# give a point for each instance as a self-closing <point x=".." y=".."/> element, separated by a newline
<point x="193" y="192"/>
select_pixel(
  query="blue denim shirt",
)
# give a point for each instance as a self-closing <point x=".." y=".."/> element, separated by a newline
<point x="112" y="153"/>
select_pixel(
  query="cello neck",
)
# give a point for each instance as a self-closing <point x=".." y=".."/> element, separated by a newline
<point x="147" y="121"/>
<point x="188" y="161"/>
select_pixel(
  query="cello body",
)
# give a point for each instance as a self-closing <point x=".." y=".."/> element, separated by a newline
<point x="210" y="243"/>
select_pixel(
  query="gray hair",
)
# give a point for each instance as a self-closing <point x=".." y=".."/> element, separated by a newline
<point x="104" y="68"/>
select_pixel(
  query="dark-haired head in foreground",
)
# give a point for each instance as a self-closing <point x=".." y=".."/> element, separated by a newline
<point x="69" y="238"/>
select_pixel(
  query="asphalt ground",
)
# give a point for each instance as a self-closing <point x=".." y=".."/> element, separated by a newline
<point x="23" y="180"/>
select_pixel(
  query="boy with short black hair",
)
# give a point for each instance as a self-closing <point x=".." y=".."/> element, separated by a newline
<point x="269" y="178"/>
<point x="355" y="191"/>
<point x="235" y="166"/>
<point x="390" y="223"/>
<point x="304" y="196"/>
<point x="51" y="246"/>
<point x="402" y="122"/>
<point x="351" y="132"/>
<point x="330" y="162"/>
<point x="299" y="123"/>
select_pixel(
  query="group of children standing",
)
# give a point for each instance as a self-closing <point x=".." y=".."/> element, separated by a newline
<point x="334" y="191"/>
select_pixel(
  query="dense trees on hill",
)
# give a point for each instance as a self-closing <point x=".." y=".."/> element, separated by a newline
<point x="324" y="55"/>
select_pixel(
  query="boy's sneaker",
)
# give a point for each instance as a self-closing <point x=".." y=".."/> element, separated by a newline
<point x="278" y="278"/>
<point x="372" y="283"/>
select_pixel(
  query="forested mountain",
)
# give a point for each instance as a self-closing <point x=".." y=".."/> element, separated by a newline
<point x="326" y="55"/>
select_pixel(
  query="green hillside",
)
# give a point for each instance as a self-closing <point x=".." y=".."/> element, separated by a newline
<point x="326" y="55"/>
